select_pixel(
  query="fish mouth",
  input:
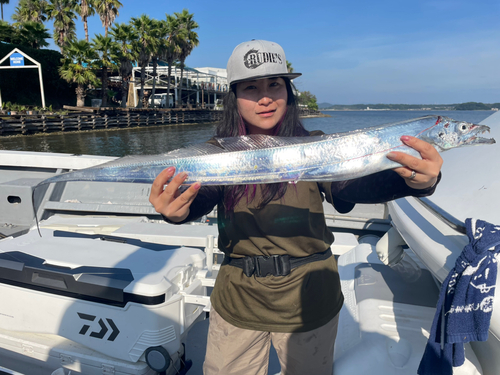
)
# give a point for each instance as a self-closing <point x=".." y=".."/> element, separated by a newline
<point x="474" y="138"/>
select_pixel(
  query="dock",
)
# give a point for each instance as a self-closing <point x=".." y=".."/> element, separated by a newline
<point x="89" y="118"/>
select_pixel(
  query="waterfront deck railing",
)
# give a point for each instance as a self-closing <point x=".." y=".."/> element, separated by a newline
<point x="109" y="119"/>
<point x="93" y="119"/>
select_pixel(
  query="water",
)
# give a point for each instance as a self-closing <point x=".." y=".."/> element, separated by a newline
<point x="159" y="139"/>
<point x="341" y="121"/>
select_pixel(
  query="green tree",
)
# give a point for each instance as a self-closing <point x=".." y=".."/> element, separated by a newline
<point x="77" y="68"/>
<point x="7" y="33"/>
<point x="289" y="67"/>
<point x="103" y="45"/>
<point x="187" y="42"/>
<point x="123" y="35"/>
<point x="160" y="32"/>
<point x="143" y="47"/>
<point x="172" y="48"/>
<point x="33" y="34"/>
<point x="62" y="12"/>
<point x="472" y="106"/>
<point x="2" y="2"/>
<point x="30" y="10"/>
<point x="308" y="99"/>
<point x="85" y="8"/>
<point x="107" y="11"/>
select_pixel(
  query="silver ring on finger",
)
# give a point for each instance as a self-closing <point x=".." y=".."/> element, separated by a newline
<point x="413" y="175"/>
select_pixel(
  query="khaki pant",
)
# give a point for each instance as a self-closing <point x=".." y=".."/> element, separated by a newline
<point x="237" y="351"/>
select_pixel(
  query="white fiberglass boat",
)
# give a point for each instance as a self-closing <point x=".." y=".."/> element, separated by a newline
<point x="109" y="288"/>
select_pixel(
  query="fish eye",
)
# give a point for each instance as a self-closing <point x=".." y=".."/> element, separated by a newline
<point x="464" y="127"/>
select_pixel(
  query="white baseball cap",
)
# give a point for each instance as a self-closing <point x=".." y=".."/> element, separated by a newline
<point x="257" y="59"/>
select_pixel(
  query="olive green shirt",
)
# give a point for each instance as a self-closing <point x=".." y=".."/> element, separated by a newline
<point x="310" y="295"/>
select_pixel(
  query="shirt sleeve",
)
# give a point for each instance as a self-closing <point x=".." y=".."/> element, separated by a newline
<point x="203" y="204"/>
<point x="379" y="187"/>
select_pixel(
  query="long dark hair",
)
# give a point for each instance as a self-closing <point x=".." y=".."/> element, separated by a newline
<point x="232" y="125"/>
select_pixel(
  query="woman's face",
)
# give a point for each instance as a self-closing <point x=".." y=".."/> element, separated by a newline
<point x="262" y="103"/>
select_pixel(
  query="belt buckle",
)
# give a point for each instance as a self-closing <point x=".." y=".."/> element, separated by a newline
<point x="265" y="265"/>
<point x="276" y="265"/>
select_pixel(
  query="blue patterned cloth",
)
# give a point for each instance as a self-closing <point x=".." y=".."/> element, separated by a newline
<point x="465" y="302"/>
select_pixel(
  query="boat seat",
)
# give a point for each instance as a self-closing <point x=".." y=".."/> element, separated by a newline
<point x="386" y="318"/>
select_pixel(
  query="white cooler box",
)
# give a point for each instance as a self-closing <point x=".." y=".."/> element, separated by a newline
<point x="121" y="299"/>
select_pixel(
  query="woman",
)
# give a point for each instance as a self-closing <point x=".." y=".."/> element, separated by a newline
<point x="279" y="280"/>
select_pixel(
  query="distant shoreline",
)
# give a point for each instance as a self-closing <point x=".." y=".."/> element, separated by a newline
<point x="469" y="106"/>
<point x="316" y="115"/>
<point x="407" y="110"/>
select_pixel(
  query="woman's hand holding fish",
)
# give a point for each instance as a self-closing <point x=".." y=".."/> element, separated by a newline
<point x="168" y="200"/>
<point x="426" y="170"/>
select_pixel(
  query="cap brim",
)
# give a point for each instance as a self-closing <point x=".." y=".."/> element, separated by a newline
<point x="254" y="78"/>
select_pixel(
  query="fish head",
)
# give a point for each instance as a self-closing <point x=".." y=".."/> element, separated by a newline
<point x="448" y="133"/>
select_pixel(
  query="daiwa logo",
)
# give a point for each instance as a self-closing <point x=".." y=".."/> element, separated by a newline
<point x="104" y="328"/>
<point x="253" y="58"/>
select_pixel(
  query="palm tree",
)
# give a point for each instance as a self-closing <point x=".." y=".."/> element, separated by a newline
<point x="33" y="34"/>
<point x="172" y="48"/>
<point x="188" y="41"/>
<point x="289" y="66"/>
<point x="62" y="12"/>
<point x="108" y="11"/>
<point x="7" y="33"/>
<point x="2" y="2"/>
<point x="103" y="46"/>
<point x="143" y="47"/>
<point x="160" y="32"/>
<point x="76" y="68"/>
<point x="123" y="35"/>
<point x="85" y="8"/>
<point x="30" y="10"/>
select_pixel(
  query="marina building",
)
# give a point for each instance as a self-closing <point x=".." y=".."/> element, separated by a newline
<point x="197" y="88"/>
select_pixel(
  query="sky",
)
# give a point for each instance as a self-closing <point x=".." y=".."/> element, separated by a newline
<point x="352" y="52"/>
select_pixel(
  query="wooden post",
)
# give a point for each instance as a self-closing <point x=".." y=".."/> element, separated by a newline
<point x="23" y="125"/>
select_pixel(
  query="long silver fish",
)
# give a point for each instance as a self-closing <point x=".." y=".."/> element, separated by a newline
<point x="255" y="159"/>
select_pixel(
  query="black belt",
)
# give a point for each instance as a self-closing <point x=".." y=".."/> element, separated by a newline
<point x="276" y="265"/>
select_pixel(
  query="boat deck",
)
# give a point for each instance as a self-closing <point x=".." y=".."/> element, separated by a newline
<point x="386" y="317"/>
